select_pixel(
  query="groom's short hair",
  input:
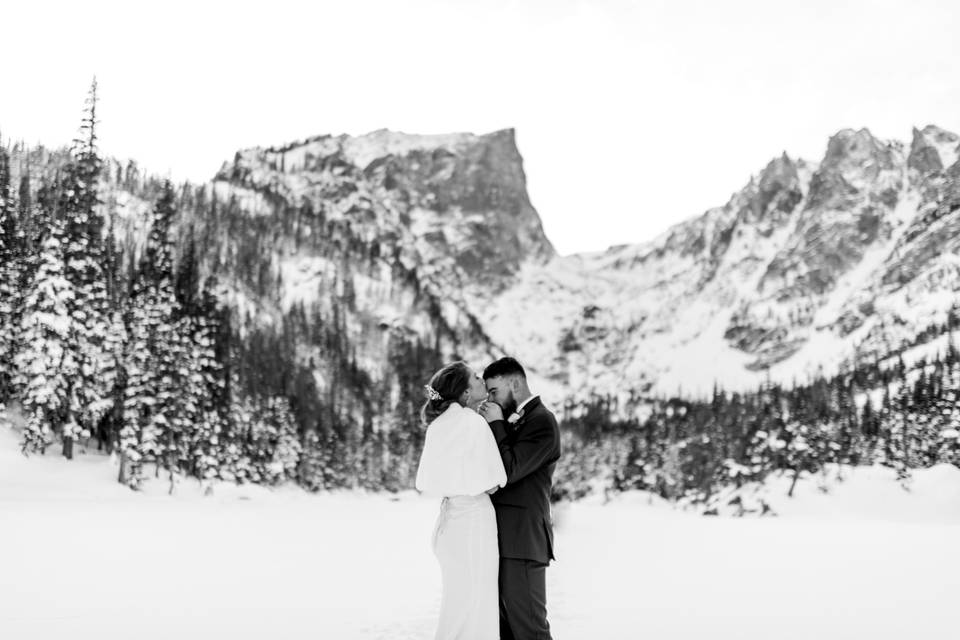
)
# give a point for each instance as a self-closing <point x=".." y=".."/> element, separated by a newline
<point x="504" y="367"/>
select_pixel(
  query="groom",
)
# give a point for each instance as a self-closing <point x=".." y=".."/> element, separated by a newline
<point x="529" y="442"/>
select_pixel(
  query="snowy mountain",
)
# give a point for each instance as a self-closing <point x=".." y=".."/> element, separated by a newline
<point x="406" y="235"/>
<point x="319" y="284"/>
<point x="393" y="240"/>
<point x="808" y="266"/>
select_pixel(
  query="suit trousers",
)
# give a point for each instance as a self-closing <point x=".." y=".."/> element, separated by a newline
<point x="523" y="600"/>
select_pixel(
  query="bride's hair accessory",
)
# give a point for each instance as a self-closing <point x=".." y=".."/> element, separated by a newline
<point x="443" y="388"/>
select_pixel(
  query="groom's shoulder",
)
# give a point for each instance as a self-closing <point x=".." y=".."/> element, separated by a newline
<point x="541" y="413"/>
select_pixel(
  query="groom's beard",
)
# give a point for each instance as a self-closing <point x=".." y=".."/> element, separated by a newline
<point x="510" y="404"/>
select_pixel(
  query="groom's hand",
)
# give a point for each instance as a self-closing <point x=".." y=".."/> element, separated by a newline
<point x="491" y="411"/>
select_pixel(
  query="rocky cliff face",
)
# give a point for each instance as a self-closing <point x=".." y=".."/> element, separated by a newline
<point x="397" y="238"/>
<point x="810" y="264"/>
<point x="397" y="242"/>
<point x="450" y="202"/>
<point x="352" y="266"/>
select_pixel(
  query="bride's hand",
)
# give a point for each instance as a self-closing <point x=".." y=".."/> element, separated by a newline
<point x="490" y="411"/>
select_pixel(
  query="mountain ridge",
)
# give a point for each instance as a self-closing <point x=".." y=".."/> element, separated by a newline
<point x="774" y="275"/>
<point x="790" y="251"/>
<point x="805" y="266"/>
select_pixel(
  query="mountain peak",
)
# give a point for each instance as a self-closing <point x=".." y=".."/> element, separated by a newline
<point x="459" y="199"/>
<point x="780" y="167"/>
<point x="853" y="146"/>
<point x="933" y="149"/>
<point x="939" y="134"/>
<point x="772" y="194"/>
<point x="364" y="149"/>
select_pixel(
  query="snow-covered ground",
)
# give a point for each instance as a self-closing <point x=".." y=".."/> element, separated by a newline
<point x="83" y="558"/>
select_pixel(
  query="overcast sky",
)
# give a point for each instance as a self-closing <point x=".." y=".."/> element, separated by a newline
<point x="630" y="116"/>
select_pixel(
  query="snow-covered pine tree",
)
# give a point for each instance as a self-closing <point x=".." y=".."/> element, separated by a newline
<point x="763" y="451"/>
<point x="323" y="460"/>
<point x="898" y="452"/>
<point x="176" y="410"/>
<point x="111" y="371"/>
<point x="11" y="252"/>
<point x="235" y="441"/>
<point x="800" y="454"/>
<point x="870" y="430"/>
<point x="77" y="204"/>
<point x="206" y="442"/>
<point x="136" y="438"/>
<point x="312" y="461"/>
<point x="195" y="420"/>
<point x="151" y="360"/>
<point x="949" y="414"/>
<point x="34" y="225"/>
<point x="46" y="360"/>
<point x="113" y="378"/>
<point x="285" y="445"/>
<point x="262" y="441"/>
<point x="924" y="432"/>
<point x="846" y="446"/>
<point x="670" y="472"/>
<point x="206" y="385"/>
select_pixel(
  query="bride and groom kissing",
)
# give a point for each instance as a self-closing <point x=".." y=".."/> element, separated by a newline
<point x="490" y="451"/>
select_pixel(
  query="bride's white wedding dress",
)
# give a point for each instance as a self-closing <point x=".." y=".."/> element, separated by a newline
<point x="460" y="462"/>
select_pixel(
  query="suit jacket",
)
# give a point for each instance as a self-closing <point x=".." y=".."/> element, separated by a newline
<point x="530" y="450"/>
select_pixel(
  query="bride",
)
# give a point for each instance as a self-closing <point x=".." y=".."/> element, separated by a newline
<point x="461" y="463"/>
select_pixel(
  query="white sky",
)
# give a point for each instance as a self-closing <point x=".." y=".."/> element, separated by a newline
<point x="630" y="116"/>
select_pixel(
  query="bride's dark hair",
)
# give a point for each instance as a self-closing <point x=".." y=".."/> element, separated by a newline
<point x="450" y="382"/>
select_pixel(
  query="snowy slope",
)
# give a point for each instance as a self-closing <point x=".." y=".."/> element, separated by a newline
<point x="433" y="238"/>
<point x="807" y="266"/>
<point x="85" y="558"/>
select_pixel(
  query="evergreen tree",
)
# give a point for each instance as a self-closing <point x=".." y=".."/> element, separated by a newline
<point x="284" y="445"/>
<point x="195" y="421"/>
<point x="138" y="437"/>
<point x="948" y="449"/>
<point x="310" y="473"/>
<point x="11" y="270"/>
<point x="238" y="438"/>
<point x="77" y="204"/>
<point x="153" y="369"/>
<point x="113" y="378"/>
<point x="46" y="361"/>
<point x="900" y="452"/>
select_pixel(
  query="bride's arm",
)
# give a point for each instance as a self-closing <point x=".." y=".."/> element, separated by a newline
<point x="483" y="464"/>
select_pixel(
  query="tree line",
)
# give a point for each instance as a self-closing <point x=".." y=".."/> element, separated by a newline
<point x="130" y="349"/>
<point x="880" y="412"/>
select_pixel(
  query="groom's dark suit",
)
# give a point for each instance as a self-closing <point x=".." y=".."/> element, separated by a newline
<point x="530" y="449"/>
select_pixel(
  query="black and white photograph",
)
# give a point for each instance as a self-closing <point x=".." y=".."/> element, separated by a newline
<point x="479" y="320"/>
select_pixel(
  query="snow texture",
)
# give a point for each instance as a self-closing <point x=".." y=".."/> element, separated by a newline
<point x="866" y="560"/>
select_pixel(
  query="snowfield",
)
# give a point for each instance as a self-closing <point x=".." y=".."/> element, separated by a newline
<point x="82" y="557"/>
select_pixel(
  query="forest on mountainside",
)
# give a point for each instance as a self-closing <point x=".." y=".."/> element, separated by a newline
<point x="127" y="349"/>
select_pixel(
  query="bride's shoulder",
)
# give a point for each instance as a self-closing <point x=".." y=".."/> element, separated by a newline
<point x="473" y="419"/>
<point x="457" y="414"/>
<point x="452" y="414"/>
